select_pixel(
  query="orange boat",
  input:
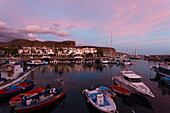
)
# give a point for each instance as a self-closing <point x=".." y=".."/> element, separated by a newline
<point x="19" y="98"/>
<point x="120" y="90"/>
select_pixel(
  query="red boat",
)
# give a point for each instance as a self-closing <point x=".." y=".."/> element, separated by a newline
<point x="40" y="100"/>
<point x="15" y="89"/>
<point x="19" y="98"/>
<point x="120" y="90"/>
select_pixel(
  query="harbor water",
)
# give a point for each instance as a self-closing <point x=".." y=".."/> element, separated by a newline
<point x="77" y="77"/>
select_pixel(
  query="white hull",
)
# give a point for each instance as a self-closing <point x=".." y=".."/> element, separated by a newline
<point x="16" y="81"/>
<point x="105" y="62"/>
<point x="107" y="109"/>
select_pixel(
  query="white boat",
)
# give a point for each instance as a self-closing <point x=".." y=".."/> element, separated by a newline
<point x="100" y="101"/>
<point x="127" y="62"/>
<point x="105" y="62"/>
<point x="35" y="62"/>
<point x="13" y="75"/>
<point x="133" y="83"/>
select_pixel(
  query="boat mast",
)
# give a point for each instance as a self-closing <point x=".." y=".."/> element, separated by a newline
<point x="106" y="47"/>
<point x="111" y="44"/>
<point x="136" y="47"/>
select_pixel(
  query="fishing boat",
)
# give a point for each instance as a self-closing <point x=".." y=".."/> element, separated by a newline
<point x="15" y="89"/>
<point x="120" y="90"/>
<point x="107" y="91"/>
<point x="100" y="101"/>
<point x="13" y="74"/>
<point x="40" y="100"/>
<point x="19" y="98"/>
<point x="133" y="83"/>
<point x="166" y="80"/>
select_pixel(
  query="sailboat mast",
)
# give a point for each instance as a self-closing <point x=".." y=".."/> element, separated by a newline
<point x="106" y="47"/>
<point x="111" y="45"/>
<point x="136" y="46"/>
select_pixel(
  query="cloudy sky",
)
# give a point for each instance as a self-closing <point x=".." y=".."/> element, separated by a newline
<point x="90" y="22"/>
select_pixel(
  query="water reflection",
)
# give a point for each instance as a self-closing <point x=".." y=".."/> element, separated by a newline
<point x="69" y="68"/>
<point x="77" y="77"/>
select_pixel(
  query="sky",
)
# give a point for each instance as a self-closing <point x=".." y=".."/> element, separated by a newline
<point x="90" y="22"/>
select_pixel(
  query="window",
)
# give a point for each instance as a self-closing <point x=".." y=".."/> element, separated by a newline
<point x="129" y="73"/>
<point x="136" y="80"/>
<point x="126" y="78"/>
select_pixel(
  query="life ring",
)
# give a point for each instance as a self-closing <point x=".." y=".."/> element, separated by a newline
<point x="12" y="67"/>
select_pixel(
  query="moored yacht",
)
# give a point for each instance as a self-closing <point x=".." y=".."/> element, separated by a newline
<point x="132" y="82"/>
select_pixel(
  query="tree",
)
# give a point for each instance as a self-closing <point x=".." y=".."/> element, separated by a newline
<point x="67" y="51"/>
<point x="99" y="52"/>
<point x="19" y="47"/>
<point x="61" y="49"/>
<point x="89" y="55"/>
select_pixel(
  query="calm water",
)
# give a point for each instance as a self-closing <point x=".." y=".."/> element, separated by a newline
<point x="80" y="76"/>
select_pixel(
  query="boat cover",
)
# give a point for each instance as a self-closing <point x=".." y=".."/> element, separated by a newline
<point x="166" y="78"/>
<point x="13" y="88"/>
<point x="19" y="63"/>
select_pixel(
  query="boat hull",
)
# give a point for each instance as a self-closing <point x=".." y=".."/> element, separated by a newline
<point x="120" y="90"/>
<point x="41" y="105"/>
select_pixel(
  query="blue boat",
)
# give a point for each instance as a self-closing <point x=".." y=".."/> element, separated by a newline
<point x="15" y="89"/>
<point x="107" y="91"/>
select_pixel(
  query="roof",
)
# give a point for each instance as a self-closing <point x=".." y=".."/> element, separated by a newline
<point x="130" y="74"/>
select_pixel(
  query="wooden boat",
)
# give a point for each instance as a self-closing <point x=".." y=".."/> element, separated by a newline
<point x="100" y="101"/>
<point x="120" y="90"/>
<point x="15" y="89"/>
<point x="19" y="98"/>
<point x="40" y="100"/>
<point x="107" y="91"/>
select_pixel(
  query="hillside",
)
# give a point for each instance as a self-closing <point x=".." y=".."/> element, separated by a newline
<point x="36" y="43"/>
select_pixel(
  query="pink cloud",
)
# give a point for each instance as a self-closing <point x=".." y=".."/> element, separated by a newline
<point x="44" y="30"/>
